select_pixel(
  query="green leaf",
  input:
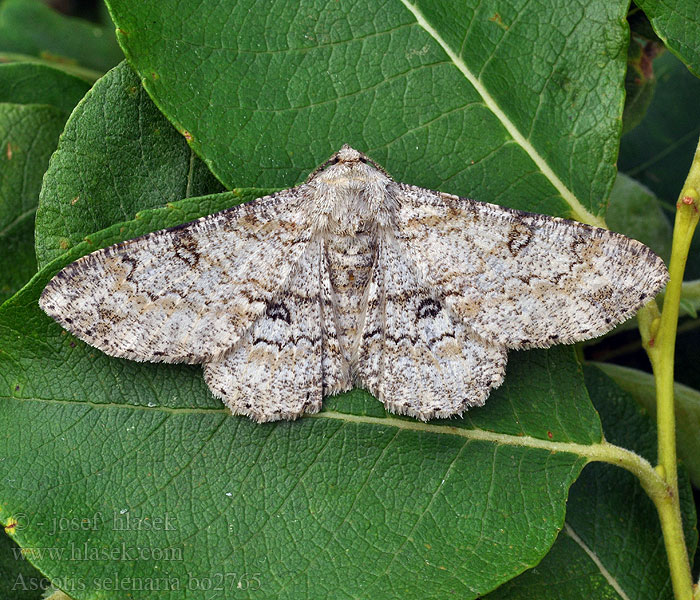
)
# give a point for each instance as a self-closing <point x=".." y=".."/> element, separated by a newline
<point x="118" y="155"/>
<point x="677" y="23"/>
<point x="19" y="262"/>
<point x="456" y="507"/>
<point x="521" y="106"/>
<point x="640" y="386"/>
<point x="29" y="29"/>
<point x="568" y="572"/>
<point x="28" y="83"/>
<point x="28" y="136"/>
<point x="610" y="546"/>
<point x="690" y="298"/>
<point x="636" y="212"/>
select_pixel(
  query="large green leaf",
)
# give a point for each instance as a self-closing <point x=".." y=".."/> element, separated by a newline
<point x="519" y="104"/>
<point x="677" y="23"/>
<point x="542" y="399"/>
<point x="610" y="546"/>
<point x="118" y="155"/>
<point x="31" y="30"/>
<point x="403" y="508"/>
<point x="28" y="136"/>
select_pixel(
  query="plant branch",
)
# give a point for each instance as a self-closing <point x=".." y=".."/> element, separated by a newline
<point x="659" y="339"/>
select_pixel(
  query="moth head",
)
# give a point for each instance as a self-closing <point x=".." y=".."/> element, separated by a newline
<point x="348" y="163"/>
<point x="349" y="155"/>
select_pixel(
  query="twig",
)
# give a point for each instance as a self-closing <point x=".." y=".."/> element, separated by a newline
<point x="659" y="339"/>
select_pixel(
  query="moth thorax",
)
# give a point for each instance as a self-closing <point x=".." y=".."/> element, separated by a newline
<point x="347" y="214"/>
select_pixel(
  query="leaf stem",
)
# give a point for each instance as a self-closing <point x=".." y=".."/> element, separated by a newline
<point x="650" y="479"/>
<point x="659" y="339"/>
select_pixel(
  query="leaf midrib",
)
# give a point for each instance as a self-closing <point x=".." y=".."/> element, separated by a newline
<point x="586" y="450"/>
<point x="596" y="561"/>
<point x="578" y="211"/>
<point x="17" y="221"/>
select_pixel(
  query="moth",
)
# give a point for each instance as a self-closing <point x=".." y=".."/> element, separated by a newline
<point x="354" y="279"/>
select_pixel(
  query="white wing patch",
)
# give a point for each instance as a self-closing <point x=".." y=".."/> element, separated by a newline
<point x="289" y="359"/>
<point x="415" y="355"/>
<point x="353" y="279"/>
<point x="184" y="294"/>
<point x="520" y="279"/>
